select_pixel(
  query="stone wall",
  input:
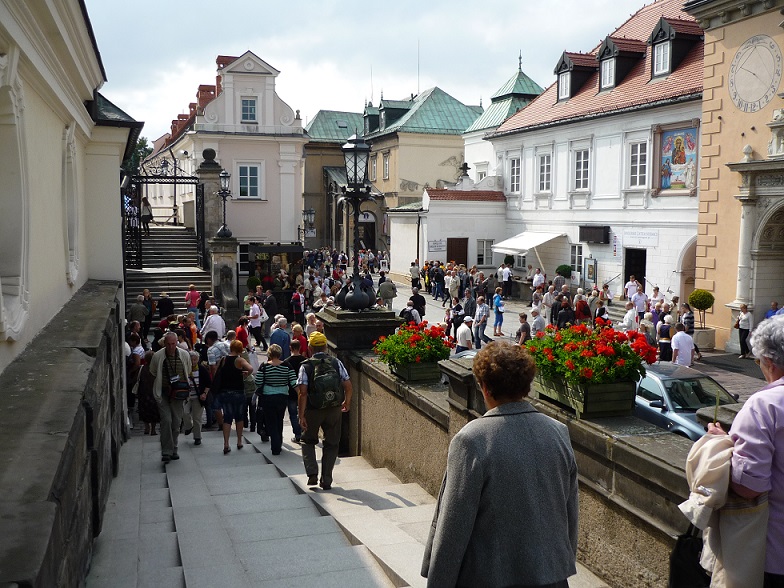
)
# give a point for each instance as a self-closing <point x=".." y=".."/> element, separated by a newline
<point x="61" y="429"/>
<point x="631" y="473"/>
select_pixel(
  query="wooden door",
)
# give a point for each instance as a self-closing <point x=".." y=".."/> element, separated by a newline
<point x="457" y="249"/>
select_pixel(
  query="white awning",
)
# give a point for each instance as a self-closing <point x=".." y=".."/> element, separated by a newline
<point x="522" y="243"/>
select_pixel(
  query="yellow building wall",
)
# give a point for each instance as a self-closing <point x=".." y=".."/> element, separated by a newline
<point x="725" y="132"/>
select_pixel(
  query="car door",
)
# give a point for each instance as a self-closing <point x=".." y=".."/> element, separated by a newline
<point x="650" y="391"/>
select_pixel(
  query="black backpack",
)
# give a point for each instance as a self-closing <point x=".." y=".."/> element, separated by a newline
<point x="407" y="315"/>
<point x="325" y="390"/>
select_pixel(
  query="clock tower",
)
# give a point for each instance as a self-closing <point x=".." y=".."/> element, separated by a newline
<point x="741" y="216"/>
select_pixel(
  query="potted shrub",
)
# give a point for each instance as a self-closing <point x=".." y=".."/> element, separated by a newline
<point x="700" y="301"/>
<point x="593" y="371"/>
<point x="413" y="351"/>
<point x="252" y="282"/>
<point x="509" y="260"/>
<point x="564" y="270"/>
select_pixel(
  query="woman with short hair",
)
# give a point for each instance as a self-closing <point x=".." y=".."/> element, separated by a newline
<point x="192" y="297"/>
<point x="758" y="456"/>
<point x="273" y="381"/>
<point x="230" y="373"/>
<point x="507" y="510"/>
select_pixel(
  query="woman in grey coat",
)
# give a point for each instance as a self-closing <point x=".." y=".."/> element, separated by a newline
<point x="507" y="510"/>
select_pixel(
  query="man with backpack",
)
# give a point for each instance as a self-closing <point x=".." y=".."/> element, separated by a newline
<point x="324" y="394"/>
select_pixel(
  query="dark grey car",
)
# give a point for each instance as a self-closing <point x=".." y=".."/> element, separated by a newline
<point x="669" y="396"/>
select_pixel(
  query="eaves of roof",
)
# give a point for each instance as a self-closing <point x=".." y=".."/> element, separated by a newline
<point x="497" y="113"/>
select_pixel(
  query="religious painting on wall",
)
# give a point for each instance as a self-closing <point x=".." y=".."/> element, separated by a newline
<point x="677" y="159"/>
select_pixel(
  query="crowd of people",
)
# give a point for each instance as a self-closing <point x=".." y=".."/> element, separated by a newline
<point x="190" y="368"/>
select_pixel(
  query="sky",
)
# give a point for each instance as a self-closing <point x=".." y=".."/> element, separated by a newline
<point x="337" y="54"/>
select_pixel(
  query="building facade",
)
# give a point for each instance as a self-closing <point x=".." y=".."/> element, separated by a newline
<point x="258" y="139"/>
<point x="600" y="172"/>
<point x="740" y="249"/>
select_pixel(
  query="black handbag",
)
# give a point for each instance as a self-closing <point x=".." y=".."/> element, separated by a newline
<point x="179" y="391"/>
<point x="685" y="568"/>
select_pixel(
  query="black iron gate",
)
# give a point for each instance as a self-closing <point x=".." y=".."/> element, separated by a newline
<point x="201" y="238"/>
<point x="158" y="170"/>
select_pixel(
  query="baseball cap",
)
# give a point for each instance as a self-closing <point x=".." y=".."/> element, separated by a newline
<point x="317" y="339"/>
<point x="468" y="319"/>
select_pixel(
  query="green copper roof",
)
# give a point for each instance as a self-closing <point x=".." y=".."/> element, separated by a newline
<point x="402" y="104"/>
<point x="410" y="207"/>
<point x="498" y="112"/>
<point x="518" y="84"/>
<point x="331" y="126"/>
<point x="433" y="112"/>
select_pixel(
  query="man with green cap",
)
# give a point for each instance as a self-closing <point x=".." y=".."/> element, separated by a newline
<point x="324" y="394"/>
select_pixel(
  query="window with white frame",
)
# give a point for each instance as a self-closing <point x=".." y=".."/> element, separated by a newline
<point x="520" y="261"/>
<point x="249" y="179"/>
<point x="608" y="73"/>
<point x="564" y="80"/>
<point x="481" y="175"/>
<point x="484" y="251"/>
<point x="545" y="172"/>
<point x="248" y="110"/>
<point x="514" y="174"/>
<point x="661" y="58"/>
<point x="373" y="168"/>
<point x="577" y="257"/>
<point x="581" y="166"/>
<point x="385" y="163"/>
<point x="638" y="162"/>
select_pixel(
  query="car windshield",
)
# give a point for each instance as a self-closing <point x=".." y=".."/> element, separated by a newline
<point x="692" y="394"/>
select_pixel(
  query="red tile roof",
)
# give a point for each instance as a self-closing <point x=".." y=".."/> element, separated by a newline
<point x="687" y="27"/>
<point x="636" y="90"/>
<point x="466" y="195"/>
<point x="583" y="59"/>
<point x="630" y="45"/>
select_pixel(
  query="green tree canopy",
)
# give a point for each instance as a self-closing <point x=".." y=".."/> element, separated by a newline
<point x="140" y="151"/>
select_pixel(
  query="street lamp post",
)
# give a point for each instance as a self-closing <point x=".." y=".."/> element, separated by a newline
<point x="357" y="295"/>
<point x="224" y="232"/>
<point x="308" y="218"/>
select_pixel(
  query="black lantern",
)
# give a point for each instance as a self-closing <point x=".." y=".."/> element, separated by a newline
<point x="308" y="218"/>
<point x="356" y="295"/>
<point x="224" y="232"/>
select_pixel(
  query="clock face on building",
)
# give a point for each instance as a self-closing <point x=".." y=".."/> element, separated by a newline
<point x="755" y="73"/>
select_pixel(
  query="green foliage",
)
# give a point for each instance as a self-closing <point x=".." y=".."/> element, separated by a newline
<point x="140" y="151"/>
<point x="564" y="270"/>
<point x="509" y="260"/>
<point x="702" y="300"/>
<point x="414" y="343"/>
<point x="252" y="282"/>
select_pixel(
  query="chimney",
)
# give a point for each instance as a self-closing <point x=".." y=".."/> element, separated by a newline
<point x="218" y="87"/>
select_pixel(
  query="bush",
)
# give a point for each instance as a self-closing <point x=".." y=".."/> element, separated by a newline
<point x="509" y="260"/>
<point x="252" y="282"/>
<point x="564" y="270"/>
<point x="702" y="300"/>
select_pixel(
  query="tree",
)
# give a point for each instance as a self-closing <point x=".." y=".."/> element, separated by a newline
<point x="702" y="300"/>
<point x="140" y="151"/>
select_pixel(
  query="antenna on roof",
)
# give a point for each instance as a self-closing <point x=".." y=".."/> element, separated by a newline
<point x="371" y="83"/>
<point x="520" y="62"/>
<point x="417" y="67"/>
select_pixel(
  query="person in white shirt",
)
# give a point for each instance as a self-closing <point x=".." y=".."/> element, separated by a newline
<point x="507" y="285"/>
<point x="629" y="322"/>
<point x="465" y="335"/>
<point x="640" y="301"/>
<point x="631" y="287"/>
<point x="214" y="322"/>
<point x="538" y="323"/>
<point x="256" y="318"/>
<point x="538" y="279"/>
<point x="682" y="346"/>
<point x="656" y="297"/>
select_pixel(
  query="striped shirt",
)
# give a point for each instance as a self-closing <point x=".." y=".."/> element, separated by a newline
<point x="275" y="378"/>
<point x="482" y="312"/>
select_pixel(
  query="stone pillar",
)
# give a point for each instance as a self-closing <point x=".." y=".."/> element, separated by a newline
<point x="748" y="225"/>
<point x="209" y="174"/>
<point x="223" y="257"/>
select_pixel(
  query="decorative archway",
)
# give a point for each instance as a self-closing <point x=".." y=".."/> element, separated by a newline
<point x="686" y="270"/>
<point x="767" y="256"/>
<point x="14" y="221"/>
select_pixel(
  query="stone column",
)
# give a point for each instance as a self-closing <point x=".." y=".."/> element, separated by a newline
<point x="223" y="257"/>
<point x="209" y="174"/>
<point x="748" y="224"/>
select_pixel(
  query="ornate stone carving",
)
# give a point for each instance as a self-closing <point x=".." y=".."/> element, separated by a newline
<point x="408" y="185"/>
<point x="768" y="180"/>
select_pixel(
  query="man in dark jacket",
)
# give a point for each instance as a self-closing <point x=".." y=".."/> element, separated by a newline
<point x="271" y="308"/>
<point x="565" y="315"/>
<point x="419" y="301"/>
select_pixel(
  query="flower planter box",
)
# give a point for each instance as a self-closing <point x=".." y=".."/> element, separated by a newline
<point x="591" y="400"/>
<point x="427" y="371"/>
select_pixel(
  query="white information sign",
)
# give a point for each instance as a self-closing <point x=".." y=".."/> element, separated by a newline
<point x="437" y="245"/>
<point x="640" y="238"/>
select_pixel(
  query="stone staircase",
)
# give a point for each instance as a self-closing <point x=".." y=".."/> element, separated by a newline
<point x="170" y="265"/>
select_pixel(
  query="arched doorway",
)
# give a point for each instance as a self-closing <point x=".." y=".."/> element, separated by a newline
<point x="768" y="263"/>
<point x="684" y="275"/>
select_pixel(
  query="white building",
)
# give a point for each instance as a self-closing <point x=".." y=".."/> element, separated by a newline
<point x="258" y="139"/>
<point x="600" y="171"/>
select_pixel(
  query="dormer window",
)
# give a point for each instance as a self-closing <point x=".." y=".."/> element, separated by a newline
<point x="661" y="59"/>
<point x="248" y="110"/>
<point x="563" y="85"/>
<point x="608" y="73"/>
